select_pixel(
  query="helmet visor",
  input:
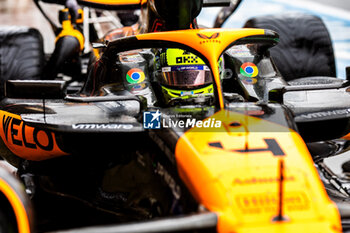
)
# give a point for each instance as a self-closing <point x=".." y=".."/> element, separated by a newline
<point x="185" y="76"/>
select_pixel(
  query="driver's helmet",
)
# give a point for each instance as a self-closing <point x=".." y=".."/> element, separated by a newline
<point x="182" y="74"/>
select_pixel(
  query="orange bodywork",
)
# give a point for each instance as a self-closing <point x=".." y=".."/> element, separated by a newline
<point x="27" y="142"/>
<point x="347" y="137"/>
<point x="233" y="171"/>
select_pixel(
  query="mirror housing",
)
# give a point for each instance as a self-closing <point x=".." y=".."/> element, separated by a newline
<point x="321" y="111"/>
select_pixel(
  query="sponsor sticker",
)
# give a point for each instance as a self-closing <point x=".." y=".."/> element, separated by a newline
<point x="325" y="114"/>
<point x="185" y="93"/>
<point x="179" y="57"/>
<point x="135" y="75"/>
<point x="184" y="68"/>
<point x="249" y="69"/>
<point x="89" y="126"/>
<point x="268" y="202"/>
<point x="209" y="38"/>
<point x="26" y="141"/>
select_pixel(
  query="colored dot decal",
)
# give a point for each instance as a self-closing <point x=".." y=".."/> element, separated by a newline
<point x="135" y="75"/>
<point x="249" y="69"/>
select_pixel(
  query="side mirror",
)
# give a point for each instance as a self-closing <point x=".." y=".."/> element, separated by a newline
<point x="321" y="111"/>
<point x="225" y="13"/>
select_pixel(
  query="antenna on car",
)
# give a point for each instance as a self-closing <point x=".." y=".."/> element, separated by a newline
<point x="280" y="217"/>
<point x="44" y="108"/>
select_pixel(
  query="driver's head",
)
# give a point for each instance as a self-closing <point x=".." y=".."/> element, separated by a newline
<point x="177" y="14"/>
<point x="182" y="74"/>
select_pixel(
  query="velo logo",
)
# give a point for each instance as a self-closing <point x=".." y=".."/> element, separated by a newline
<point x="151" y="120"/>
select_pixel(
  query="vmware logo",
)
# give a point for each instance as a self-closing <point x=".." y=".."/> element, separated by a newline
<point x="151" y="120"/>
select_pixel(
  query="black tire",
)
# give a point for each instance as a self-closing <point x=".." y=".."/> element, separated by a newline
<point x="21" y="54"/>
<point x="305" y="48"/>
<point x="7" y="225"/>
<point x="8" y="219"/>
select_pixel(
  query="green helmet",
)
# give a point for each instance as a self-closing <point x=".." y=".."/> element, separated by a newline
<point x="182" y="74"/>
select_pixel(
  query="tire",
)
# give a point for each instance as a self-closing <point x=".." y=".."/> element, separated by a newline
<point x="9" y="220"/>
<point x="21" y="54"/>
<point x="7" y="225"/>
<point x="305" y="47"/>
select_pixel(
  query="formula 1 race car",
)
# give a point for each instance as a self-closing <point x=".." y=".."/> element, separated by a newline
<point x="190" y="130"/>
